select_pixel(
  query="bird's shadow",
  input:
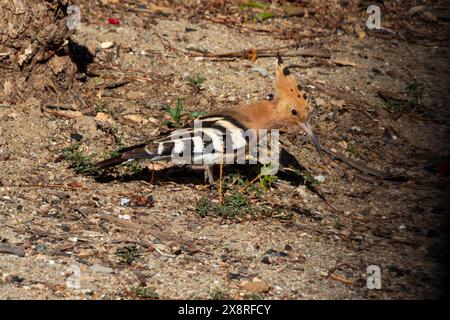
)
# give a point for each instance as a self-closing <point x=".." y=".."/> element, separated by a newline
<point x="80" y="56"/>
<point x="188" y="175"/>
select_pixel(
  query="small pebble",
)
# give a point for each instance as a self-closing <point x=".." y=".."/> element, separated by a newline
<point x="4" y="155"/>
<point x="320" y="178"/>
<point x="40" y="247"/>
<point x="76" y="136"/>
<point x="235" y="276"/>
<point x="260" y="70"/>
<point x="125" y="202"/>
<point x="124" y="216"/>
<point x="16" y="279"/>
<point x="87" y="292"/>
<point x="265" y="260"/>
<point x="101" y="269"/>
<point x="107" y="45"/>
<point x="275" y="253"/>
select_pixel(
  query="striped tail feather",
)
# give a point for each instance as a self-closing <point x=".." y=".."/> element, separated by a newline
<point x="139" y="151"/>
<point x="111" y="162"/>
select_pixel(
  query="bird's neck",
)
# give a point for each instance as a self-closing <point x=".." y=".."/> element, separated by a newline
<point x="258" y="114"/>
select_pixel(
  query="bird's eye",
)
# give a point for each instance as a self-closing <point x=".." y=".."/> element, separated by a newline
<point x="294" y="112"/>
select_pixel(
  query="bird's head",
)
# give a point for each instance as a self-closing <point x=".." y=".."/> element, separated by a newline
<point x="292" y="107"/>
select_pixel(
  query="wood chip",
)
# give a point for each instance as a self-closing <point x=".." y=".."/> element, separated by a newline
<point x="12" y="249"/>
<point x="345" y="63"/>
<point x="256" y="285"/>
<point x="65" y="113"/>
<point x="389" y="95"/>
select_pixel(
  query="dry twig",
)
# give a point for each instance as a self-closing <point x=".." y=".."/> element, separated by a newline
<point x="191" y="248"/>
<point x="254" y="53"/>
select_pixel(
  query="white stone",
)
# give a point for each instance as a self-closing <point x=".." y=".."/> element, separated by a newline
<point x="107" y="45"/>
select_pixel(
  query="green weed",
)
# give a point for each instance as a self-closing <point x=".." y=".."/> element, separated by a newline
<point x="266" y="180"/>
<point x="254" y="296"/>
<point x="176" y="115"/>
<point x="261" y="16"/>
<point x="218" y="294"/>
<point x="203" y="207"/>
<point x="99" y="108"/>
<point x="128" y="254"/>
<point x="145" y="293"/>
<point x="81" y="163"/>
<point x="352" y="151"/>
<point x="235" y="204"/>
<point x="196" y="82"/>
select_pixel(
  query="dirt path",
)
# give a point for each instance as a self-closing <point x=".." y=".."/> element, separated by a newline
<point x="292" y="241"/>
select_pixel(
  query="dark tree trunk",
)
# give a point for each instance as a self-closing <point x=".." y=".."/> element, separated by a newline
<point x="33" y="59"/>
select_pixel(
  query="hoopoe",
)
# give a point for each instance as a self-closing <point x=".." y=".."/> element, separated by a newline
<point x="289" y="108"/>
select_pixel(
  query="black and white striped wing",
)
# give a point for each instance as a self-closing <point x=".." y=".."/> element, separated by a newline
<point x="206" y="141"/>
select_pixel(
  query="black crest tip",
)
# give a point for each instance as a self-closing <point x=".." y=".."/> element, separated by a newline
<point x="280" y="60"/>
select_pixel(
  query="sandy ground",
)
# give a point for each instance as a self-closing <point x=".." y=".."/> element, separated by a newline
<point x="73" y="227"/>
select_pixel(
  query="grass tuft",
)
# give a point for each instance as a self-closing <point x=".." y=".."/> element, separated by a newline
<point x="176" y="115"/>
<point x="233" y="205"/>
<point x="81" y="163"/>
<point x="218" y="294"/>
<point x="145" y="293"/>
<point x="254" y="296"/>
<point x="266" y="181"/>
<point x="128" y="254"/>
<point x="196" y="82"/>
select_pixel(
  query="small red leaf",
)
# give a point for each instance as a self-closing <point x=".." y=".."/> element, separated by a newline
<point x="114" y="21"/>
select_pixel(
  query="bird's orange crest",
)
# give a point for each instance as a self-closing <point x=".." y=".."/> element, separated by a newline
<point x="292" y="104"/>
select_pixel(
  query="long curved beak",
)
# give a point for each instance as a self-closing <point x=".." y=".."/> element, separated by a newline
<point x="307" y="128"/>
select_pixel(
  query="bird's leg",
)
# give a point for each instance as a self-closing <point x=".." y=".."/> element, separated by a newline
<point x="209" y="174"/>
